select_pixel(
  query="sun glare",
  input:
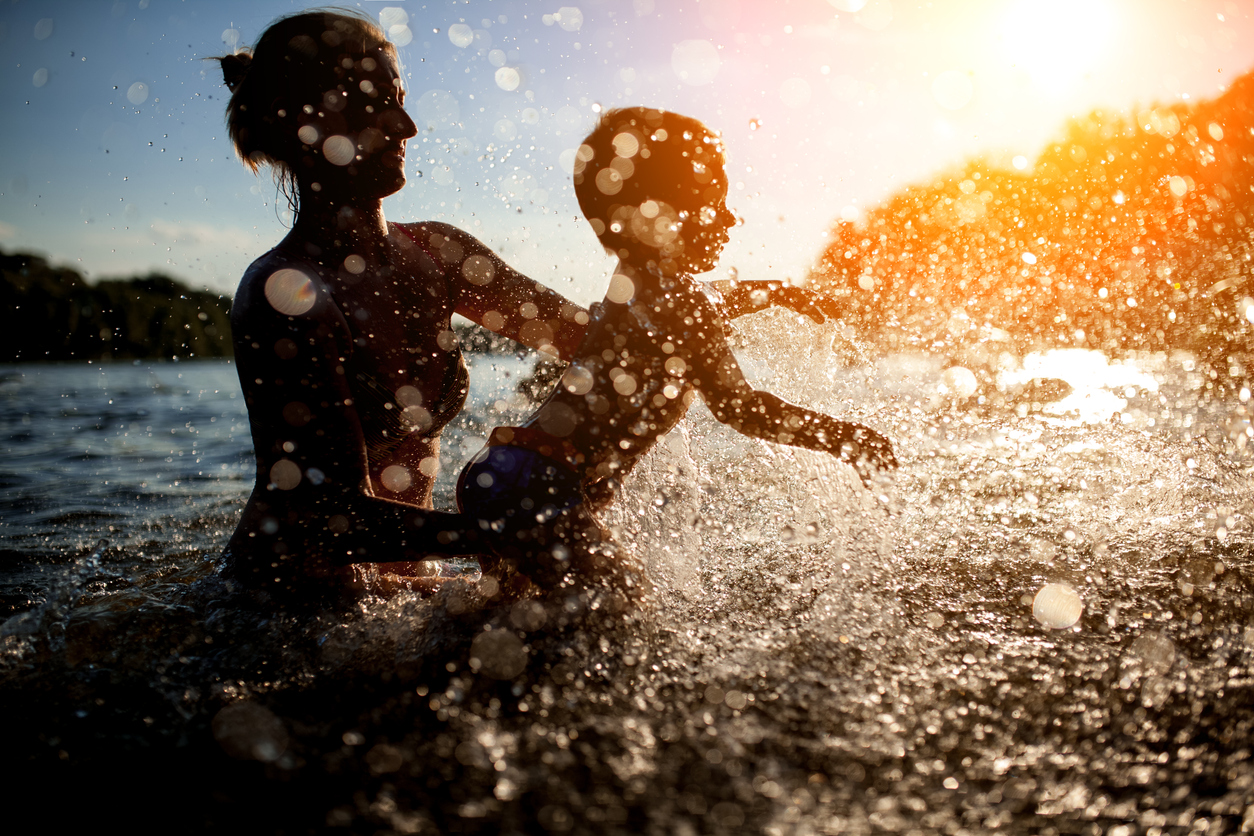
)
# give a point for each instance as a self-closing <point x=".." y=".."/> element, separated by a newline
<point x="1056" y="42"/>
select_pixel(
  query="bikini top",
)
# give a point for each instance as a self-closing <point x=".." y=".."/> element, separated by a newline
<point x="386" y="423"/>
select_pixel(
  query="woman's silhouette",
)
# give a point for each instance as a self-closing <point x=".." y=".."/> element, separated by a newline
<point x="342" y="332"/>
<point x="653" y="187"/>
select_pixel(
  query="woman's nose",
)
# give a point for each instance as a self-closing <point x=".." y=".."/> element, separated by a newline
<point x="397" y="124"/>
<point x="408" y="128"/>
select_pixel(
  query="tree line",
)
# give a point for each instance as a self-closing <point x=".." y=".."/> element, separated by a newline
<point x="53" y="314"/>
<point x="1132" y="231"/>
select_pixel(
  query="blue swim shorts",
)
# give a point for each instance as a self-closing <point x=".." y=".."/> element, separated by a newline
<point x="516" y="489"/>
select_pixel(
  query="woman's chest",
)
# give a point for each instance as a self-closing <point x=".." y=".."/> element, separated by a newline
<point x="400" y="332"/>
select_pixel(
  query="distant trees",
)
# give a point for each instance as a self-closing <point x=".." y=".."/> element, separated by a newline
<point x="51" y="313"/>
<point x="1129" y="232"/>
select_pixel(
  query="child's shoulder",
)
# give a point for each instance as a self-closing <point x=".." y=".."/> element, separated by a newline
<point x="696" y="298"/>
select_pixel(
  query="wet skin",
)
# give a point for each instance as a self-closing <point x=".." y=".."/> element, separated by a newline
<point x="346" y="325"/>
<point x="656" y="342"/>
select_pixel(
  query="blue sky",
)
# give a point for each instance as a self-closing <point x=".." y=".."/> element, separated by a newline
<point x="114" y="158"/>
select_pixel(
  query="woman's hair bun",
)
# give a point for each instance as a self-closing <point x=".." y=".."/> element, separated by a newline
<point x="234" y="68"/>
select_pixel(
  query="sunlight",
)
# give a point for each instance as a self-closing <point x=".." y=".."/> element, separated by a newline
<point x="1056" y="43"/>
<point x="1099" y="384"/>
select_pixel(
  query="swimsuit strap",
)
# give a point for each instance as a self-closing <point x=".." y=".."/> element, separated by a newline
<point x="424" y="247"/>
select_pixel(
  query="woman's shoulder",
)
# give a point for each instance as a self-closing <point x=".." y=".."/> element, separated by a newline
<point x="273" y="261"/>
<point x="281" y="282"/>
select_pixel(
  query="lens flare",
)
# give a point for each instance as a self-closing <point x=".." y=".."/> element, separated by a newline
<point x="290" y="292"/>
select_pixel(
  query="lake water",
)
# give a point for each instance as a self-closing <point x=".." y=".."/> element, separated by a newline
<point x="1044" y="622"/>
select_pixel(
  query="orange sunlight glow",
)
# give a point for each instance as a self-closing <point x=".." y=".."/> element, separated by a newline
<point x="1057" y="42"/>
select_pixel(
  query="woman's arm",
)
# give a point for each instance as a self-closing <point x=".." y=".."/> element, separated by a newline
<point x="742" y="297"/>
<point x="493" y="294"/>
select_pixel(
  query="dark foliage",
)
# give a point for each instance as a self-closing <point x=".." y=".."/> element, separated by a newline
<point x="1131" y="232"/>
<point x="51" y="313"/>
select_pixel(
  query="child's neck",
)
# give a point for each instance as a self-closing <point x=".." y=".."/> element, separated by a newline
<point x="649" y="277"/>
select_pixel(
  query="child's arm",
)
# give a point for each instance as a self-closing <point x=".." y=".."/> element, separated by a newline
<point x="742" y="297"/>
<point x="715" y="373"/>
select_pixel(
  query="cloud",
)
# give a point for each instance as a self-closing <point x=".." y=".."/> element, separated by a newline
<point x="198" y="253"/>
<point x="199" y="234"/>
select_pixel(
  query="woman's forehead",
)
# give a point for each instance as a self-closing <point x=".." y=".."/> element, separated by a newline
<point x="375" y="64"/>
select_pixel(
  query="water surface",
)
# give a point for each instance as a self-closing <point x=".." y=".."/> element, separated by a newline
<point x="1041" y="623"/>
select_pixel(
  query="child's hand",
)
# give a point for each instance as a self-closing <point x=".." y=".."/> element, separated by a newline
<point x="869" y="451"/>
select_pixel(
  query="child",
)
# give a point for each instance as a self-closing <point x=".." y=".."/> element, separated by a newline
<point x="653" y="187"/>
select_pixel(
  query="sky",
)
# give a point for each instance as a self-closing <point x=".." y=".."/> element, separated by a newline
<point x="114" y="157"/>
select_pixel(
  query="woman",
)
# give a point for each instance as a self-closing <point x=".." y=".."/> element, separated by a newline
<point x="652" y="185"/>
<point x="342" y="332"/>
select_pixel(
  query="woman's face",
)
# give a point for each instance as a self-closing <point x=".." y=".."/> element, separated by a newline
<point x="354" y="132"/>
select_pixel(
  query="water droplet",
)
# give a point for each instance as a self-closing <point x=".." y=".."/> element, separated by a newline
<point x="1057" y="606"/>
<point x="498" y="654"/>
<point x="395" y="478"/>
<point x="285" y="474"/>
<point x="508" y="79"/>
<point x="461" y="35"/>
<point x="338" y="150"/>
<point x="290" y="292"/>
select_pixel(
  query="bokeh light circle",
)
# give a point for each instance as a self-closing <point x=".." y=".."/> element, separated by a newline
<point x="508" y="79"/>
<point x="339" y="150"/>
<point x="290" y="292"/>
<point x="1057" y="606"/>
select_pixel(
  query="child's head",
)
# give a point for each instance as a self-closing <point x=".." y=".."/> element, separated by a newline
<point x="652" y="181"/>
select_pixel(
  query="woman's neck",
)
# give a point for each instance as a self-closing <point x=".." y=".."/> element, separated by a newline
<point x="336" y="227"/>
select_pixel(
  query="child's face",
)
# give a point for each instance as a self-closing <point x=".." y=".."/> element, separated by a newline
<point x="704" y="230"/>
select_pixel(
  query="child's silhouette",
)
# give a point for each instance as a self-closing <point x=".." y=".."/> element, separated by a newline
<point x="653" y="187"/>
